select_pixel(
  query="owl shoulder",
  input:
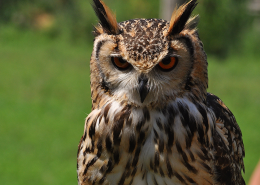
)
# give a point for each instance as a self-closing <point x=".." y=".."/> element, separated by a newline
<point x="228" y="144"/>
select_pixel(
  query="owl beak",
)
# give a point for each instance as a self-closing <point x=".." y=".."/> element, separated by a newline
<point x="143" y="87"/>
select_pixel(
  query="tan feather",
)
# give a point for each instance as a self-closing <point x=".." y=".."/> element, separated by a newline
<point x="177" y="12"/>
<point x="180" y="16"/>
<point x="111" y="18"/>
<point x="108" y="22"/>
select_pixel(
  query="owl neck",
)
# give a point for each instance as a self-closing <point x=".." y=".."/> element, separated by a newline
<point x="181" y="118"/>
<point x="100" y="97"/>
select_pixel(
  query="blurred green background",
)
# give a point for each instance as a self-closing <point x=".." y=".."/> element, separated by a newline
<point x="45" y="46"/>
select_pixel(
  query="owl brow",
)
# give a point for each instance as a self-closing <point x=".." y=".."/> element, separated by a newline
<point x="172" y="53"/>
<point x="187" y="41"/>
<point x="115" y="55"/>
<point x="116" y="51"/>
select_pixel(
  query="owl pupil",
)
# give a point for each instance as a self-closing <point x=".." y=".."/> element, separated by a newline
<point x="166" y="61"/>
<point x="122" y="61"/>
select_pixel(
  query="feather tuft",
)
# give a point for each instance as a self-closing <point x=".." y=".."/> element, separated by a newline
<point x="192" y="23"/>
<point x="180" y="17"/>
<point x="107" y="19"/>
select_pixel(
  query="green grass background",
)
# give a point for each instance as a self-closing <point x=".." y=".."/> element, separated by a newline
<point x="45" y="97"/>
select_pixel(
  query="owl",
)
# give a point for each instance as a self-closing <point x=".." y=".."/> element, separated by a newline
<point x="152" y="120"/>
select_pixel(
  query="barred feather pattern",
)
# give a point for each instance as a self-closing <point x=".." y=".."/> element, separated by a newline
<point x="182" y="143"/>
<point x="149" y="126"/>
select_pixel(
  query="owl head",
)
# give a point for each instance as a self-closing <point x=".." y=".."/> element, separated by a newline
<point x="148" y="62"/>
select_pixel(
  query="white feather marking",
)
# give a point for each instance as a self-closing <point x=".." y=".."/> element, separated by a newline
<point x="180" y="132"/>
<point x="114" y="108"/>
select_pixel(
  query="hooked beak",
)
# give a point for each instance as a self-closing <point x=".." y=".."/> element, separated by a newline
<point x="143" y="87"/>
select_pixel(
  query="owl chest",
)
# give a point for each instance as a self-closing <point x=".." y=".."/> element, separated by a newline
<point x="141" y="146"/>
<point x="153" y="151"/>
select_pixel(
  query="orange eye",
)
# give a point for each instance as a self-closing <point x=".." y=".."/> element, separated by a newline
<point x="168" y="63"/>
<point x="120" y="63"/>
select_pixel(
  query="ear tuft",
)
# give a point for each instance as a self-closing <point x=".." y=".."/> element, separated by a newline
<point x="180" y="17"/>
<point x="107" y="19"/>
<point x="192" y="22"/>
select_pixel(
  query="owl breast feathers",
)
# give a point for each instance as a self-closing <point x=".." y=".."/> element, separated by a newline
<point x="152" y="120"/>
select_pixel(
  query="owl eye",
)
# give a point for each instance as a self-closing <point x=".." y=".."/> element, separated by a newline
<point x="168" y="63"/>
<point x="120" y="63"/>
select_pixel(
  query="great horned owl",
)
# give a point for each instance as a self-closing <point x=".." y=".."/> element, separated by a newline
<point x="152" y="120"/>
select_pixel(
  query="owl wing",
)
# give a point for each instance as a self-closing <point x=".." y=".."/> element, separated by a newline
<point x="228" y="144"/>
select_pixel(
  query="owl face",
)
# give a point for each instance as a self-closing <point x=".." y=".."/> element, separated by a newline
<point x="145" y="61"/>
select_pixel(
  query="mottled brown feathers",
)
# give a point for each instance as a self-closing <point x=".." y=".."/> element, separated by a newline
<point x="180" y="16"/>
<point x="178" y="133"/>
<point x="107" y="19"/>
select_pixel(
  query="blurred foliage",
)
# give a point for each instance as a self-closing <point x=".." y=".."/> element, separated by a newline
<point x="222" y="27"/>
<point x="72" y="17"/>
<point x="223" y="24"/>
